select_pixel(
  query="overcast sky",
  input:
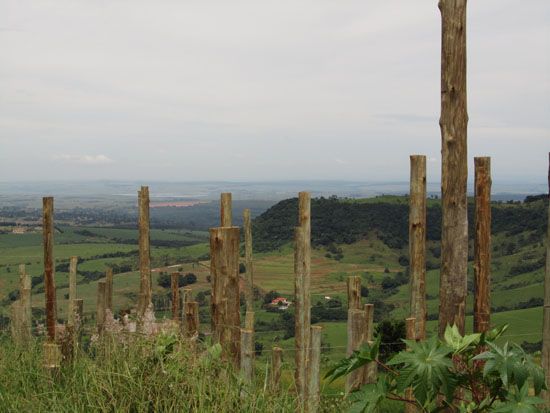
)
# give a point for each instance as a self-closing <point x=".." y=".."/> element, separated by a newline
<point x="232" y="90"/>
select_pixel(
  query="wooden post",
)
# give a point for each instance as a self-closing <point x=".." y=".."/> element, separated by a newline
<point x="226" y="209"/>
<point x="100" y="309"/>
<point x="482" y="245"/>
<point x="247" y="226"/>
<point x="52" y="356"/>
<point x="49" y="267"/>
<point x="546" y="313"/>
<point x="276" y="363"/>
<point x="249" y="320"/>
<point x="356" y="337"/>
<point x="144" y="251"/>
<point x="225" y="299"/>
<point x="411" y="335"/>
<point x="302" y="280"/>
<point x="417" y="243"/>
<point x="25" y="303"/>
<point x="78" y="316"/>
<point x="174" y="281"/>
<point x="247" y="355"/>
<point x="72" y="290"/>
<point x="371" y="372"/>
<point x="109" y="289"/>
<point x="354" y="292"/>
<point x="454" y="171"/>
<point x="314" y="366"/>
<point x="191" y="310"/>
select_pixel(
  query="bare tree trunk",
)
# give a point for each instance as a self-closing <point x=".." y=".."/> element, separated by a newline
<point x="417" y="243"/>
<point x="546" y="314"/>
<point x="454" y="124"/>
<point x="482" y="245"/>
<point x="49" y="268"/>
<point x="144" y="251"/>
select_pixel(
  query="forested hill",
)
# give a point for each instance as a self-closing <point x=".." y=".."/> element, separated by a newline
<point x="344" y="221"/>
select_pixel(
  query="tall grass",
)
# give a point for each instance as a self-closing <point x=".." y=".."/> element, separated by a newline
<point x="148" y="375"/>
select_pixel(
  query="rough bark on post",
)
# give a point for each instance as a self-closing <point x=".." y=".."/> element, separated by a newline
<point x="72" y="289"/>
<point x="174" y="283"/>
<point x="100" y="308"/>
<point x="276" y="363"/>
<point x="417" y="243"/>
<point x="191" y="310"/>
<point x="314" y="366"/>
<point x="49" y="267"/>
<point x="226" y="214"/>
<point x="546" y="313"/>
<point x="249" y="320"/>
<point x="302" y="281"/>
<point x="247" y="355"/>
<point x="109" y="289"/>
<point x="411" y="335"/>
<point x="354" y="292"/>
<point x="247" y="226"/>
<point x="144" y="251"/>
<point x="357" y="334"/>
<point x="371" y="371"/>
<point x="25" y="303"/>
<point x="186" y="296"/>
<point x="454" y="172"/>
<point x="225" y="298"/>
<point x="482" y="245"/>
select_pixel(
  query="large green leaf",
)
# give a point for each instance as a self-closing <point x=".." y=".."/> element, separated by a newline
<point x="366" y="354"/>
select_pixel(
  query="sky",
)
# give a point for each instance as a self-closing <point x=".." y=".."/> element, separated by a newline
<point x="190" y="90"/>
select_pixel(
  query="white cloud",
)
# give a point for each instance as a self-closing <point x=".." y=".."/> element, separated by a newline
<point x="84" y="159"/>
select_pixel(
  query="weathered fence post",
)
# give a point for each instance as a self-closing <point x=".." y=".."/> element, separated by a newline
<point x="354" y="292"/>
<point x="482" y="245"/>
<point x="247" y="355"/>
<point x="546" y="314"/>
<point x="174" y="283"/>
<point x="72" y="290"/>
<point x="109" y="289"/>
<point x="25" y="303"/>
<point x="302" y="280"/>
<point x="226" y="214"/>
<point x="411" y="335"/>
<point x="417" y="243"/>
<point x="454" y="171"/>
<point x="247" y="226"/>
<point x="145" y="295"/>
<point x="49" y="268"/>
<point x="100" y="308"/>
<point x="78" y="318"/>
<point x="357" y="335"/>
<point x="313" y="370"/>
<point x="191" y="321"/>
<point x="371" y="372"/>
<point x="276" y="363"/>
<point x="225" y="299"/>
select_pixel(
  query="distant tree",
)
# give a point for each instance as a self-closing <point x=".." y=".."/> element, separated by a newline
<point x="270" y="296"/>
<point x="364" y="291"/>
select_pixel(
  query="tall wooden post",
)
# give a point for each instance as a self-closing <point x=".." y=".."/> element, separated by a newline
<point x="357" y="335"/>
<point x="302" y="280"/>
<point x="546" y="314"/>
<point x="247" y="355"/>
<point x="371" y="372"/>
<point x="49" y="267"/>
<point x="226" y="209"/>
<point x="314" y="366"/>
<point x="100" y="308"/>
<point x="174" y="283"/>
<point x="72" y="290"/>
<point x="454" y="172"/>
<point x="225" y="299"/>
<point x="276" y="362"/>
<point x="144" y="251"/>
<point x="417" y="243"/>
<point x="354" y="292"/>
<point x="191" y="321"/>
<point x="247" y="226"/>
<point x="25" y="302"/>
<point x="482" y="245"/>
<point x="109" y="289"/>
